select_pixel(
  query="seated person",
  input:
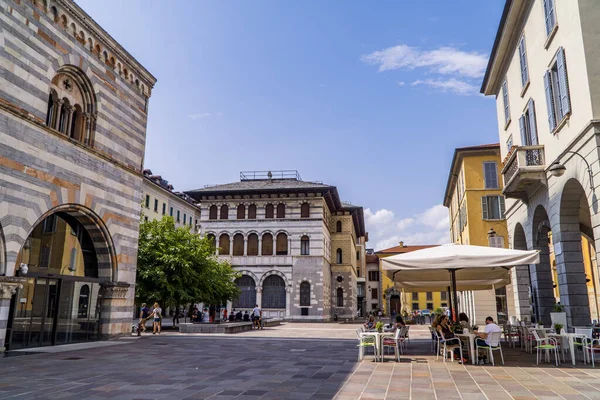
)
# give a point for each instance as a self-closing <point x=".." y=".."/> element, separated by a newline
<point x="238" y="316"/>
<point x="399" y="322"/>
<point x="246" y="316"/>
<point x="370" y="324"/>
<point x="463" y="319"/>
<point x="483" y="340"/>
<point x="446" y="333"/>
<point x="232" y="316"/>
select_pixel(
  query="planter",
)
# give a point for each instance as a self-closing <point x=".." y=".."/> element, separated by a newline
<point x="559" y="318"/>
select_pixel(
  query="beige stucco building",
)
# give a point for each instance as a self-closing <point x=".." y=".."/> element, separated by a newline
<point x="544" y="73"/>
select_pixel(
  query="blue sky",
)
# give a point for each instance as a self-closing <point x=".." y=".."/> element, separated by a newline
<point x="371" y="97"/>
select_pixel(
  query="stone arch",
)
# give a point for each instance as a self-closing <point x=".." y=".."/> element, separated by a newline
<point x="2" y="251"/>
<point x="250" y="274"/>
<point x="574" y="218"/>
<point x="519" y="238"/>
<point x="62" y="20"/>
<point x="273" y="272"/>
<point x="98" y="232"/>
<point x="73" y="29"/>
<point x="541" y="274"/>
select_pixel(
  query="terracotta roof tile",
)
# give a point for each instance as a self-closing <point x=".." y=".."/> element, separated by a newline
<point x="405" y="249"/>
<point x="372" y="258"/>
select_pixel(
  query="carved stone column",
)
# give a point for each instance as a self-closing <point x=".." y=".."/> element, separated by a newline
<point x="260" y="246"/>
<point x="92" y="130"/>
<point x="57" y="113"/>
<point x="288" y="292"/>
<point x="8" y="287"/>
<point x="115" y="315"/>
<point x="245" y="246"/>
<point x="230" y="246"/>
<point x="70" y="121"/>
<point x="218" y="243"/>
<point x="86" y="130"/>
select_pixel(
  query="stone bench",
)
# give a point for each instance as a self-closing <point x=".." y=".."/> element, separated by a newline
<point x="224" y="327"/>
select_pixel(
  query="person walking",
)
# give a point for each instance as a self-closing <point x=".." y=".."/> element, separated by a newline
<point x="144" y="315"/>
<point x="256" y="317"/>
<point x="176" y="316"/>
<point x="156" y="315"/>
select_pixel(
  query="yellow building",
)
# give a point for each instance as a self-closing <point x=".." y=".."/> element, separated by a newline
<point x="476" y="209"/>
<point x="392" y="299"/>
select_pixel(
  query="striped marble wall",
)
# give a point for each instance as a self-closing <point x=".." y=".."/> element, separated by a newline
<point x="41" y="169"/>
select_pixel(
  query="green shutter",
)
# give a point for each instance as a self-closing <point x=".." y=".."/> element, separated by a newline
<point x="484" y="208"/>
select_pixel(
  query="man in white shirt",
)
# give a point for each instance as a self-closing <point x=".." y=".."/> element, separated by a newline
<point x="484" y="339"/>
<point x="256" y="317"/>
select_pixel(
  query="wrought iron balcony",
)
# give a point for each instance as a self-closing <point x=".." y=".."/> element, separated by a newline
<point x="524" y="170"/>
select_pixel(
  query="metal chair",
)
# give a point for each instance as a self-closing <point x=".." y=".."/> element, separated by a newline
<point x="449" y="346"/>
<point x="592" y="346"/>
<point x="394" y="342"/>
<point x="545" y="344"/>
<point x="365" y="341"/>
<point x="494" y="339"/>
<point x="578" y="341"/>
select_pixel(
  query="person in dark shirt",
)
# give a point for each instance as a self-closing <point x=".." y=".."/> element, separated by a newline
<point x="238" y="316"/>
<point x="246" y="316"/>
<point x="144" y="314"/>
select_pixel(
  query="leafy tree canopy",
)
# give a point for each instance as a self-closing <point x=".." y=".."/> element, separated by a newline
<point x="176" y="266"/>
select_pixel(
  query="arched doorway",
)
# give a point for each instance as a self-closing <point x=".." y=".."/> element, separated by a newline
<point x="273" y="292"/>
<point x="247" y="298"/>
<point x="65" y="259"/>
<point x="542" y="291"/>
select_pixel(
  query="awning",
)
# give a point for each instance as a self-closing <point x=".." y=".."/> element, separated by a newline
<point x="476" y="267"/>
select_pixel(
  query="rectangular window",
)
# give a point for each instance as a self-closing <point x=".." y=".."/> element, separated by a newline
<point x="155" y="205"/>
<point x="415" y="296"/>
<point x="491" y="175"/>
<point x="148" y="201"/>
<point x="49" y="224"/>
<point x="444" y="296"/>
<point x="184" y="218"/>
<point x="506" y="105"/>
<point x="374" y="294"/>
<point x="523" y="61"/>
<point x="146" y="219"/>
<point x="509" y="144"/>
<point x="492" y="207"/>
<point x="196" y="222"/>
<point x="415" y="306"/>
<point x="45" y="257"/>
<point x="178" y="216"/>
<point x="496" y="241"/>
<point x="374" y="276"/>
<point x="171" y="211"/>
<point x="549" y="16"/>
<point x="429" y="306"/>
<point x="528" y="126"/>
<point x="429" y="296"/>
<point x="164" y="210"/>
<point x="444" y="304"/>
<point x="556" y="84"/>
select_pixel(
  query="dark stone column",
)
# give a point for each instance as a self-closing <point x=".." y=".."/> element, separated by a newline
<point x="542" y="285"/>
<point x="571" y="278"/>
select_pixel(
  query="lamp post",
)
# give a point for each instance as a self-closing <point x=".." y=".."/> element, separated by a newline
<point x="557" y="169"/>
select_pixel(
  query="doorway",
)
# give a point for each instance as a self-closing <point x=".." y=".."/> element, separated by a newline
<point x="395" y="304"/>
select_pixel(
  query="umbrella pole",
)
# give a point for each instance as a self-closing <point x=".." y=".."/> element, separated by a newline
<point x="453" y="276"/>
<point x="450" y="303"/>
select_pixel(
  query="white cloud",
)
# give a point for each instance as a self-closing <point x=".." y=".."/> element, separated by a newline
<point x="449" y="85"/>
<point x="444" y="60"/>
<point x="428" y="227"/>
<point x="401" y="83"/>
<point x="199" y="115"/>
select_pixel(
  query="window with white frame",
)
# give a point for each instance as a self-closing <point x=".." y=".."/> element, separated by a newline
<point x="528" y="125"/>
<point x="506" y="105"/>
<point x="490" y="170"/>
<point x="556" y="84"/>
<point x="523" y="62"/>
<point x="496" y="241"/>
<point x="509" y="143"/>
<point x="492" y="207"/>
<point x="549" y="16"/>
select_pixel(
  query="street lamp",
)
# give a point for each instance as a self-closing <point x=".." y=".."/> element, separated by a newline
<point x="557" y="169"/>
<point x="491" y="233"/>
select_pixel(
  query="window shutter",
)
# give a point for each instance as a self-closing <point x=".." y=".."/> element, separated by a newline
<point x="523" y="58"/>
<point x="524" y="140"/>
<point x="506" y="106"/>
<point x="549" y="101"/>
<point x="532" y="123"/>
<point x="549" y="15"/>
<point x="502" y="207"/>
<point x="563" y="83"/>
<point x="484" y="210"/>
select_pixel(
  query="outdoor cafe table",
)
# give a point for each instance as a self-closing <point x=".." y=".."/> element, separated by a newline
<point x="471" y="337"/>
<point x="378" y="340"/>
<point x="571" y="338"/>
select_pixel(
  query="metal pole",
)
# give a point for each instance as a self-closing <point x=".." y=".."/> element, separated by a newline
<point x="450" y="300"/>
<point x="453" y="275"/>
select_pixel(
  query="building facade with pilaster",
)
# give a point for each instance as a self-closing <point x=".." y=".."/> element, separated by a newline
<point x="300" y="249"/>
<point x="73" y="112"/>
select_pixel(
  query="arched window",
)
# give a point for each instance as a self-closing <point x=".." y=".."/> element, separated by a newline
<point x="224" y="244"/>
<point x="267" y="244"/>
<point x="224" y="212"/>
<point x="282" y="244"/>
<point x="304" y="246"/>
<point x="54" y="13"/>
<point x="305" y="210"/>
<point x="238" y="244"/>
<point x="338" y="226"/>
<point x="212" y="212"/>
<point x="269" y="211"/>
<point x="273" y="293"/>
<point x="84" y="301"/>
<point x="304" y="294"/>
<point x="280" y="210"/>
<point x="213" y="241"/>
<point x="252" y="211"/>
<point x="247" y="288"/>
<point x="340" y="297"/>
<point x="72" y="104"/>
<point x="241" y="212"/>
<point x="253" y="244"/>
<point x="90" y="43"/>
<point x="338" y="256"/>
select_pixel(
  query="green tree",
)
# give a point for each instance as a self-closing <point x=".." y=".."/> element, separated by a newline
<point x="175" y="267"/>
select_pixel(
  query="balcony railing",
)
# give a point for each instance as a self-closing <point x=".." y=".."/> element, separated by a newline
<point x="524" y="168"/>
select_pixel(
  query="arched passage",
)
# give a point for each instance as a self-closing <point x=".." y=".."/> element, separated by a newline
<point x="574" y="217"/>
<point x="273" y="292"/>
<point x="247" y="298"/>
<point x="520" y="278"/>
<point x="541" y="274"/>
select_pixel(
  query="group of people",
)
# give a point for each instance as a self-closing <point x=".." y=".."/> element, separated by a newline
<point x="255" y="317"/>
<point x="370" y="324"/>
<point x="145" y="314"/>
<point x="442" y="325"/>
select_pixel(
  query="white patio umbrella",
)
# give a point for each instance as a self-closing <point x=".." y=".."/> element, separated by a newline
<point x="463" y="267"/>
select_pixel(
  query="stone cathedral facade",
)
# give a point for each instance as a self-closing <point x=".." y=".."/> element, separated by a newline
<point x="73" y="112"/>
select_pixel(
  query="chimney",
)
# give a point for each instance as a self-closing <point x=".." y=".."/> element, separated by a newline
<point x="401" y="244"/>
<point x="270" y="175"/>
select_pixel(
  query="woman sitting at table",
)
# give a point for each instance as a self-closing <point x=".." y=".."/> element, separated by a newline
<point x="370" y="324"/>
<point x="444" y="331"/>
<point x="399" y="322"/>
<point x="463" y="319"/>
